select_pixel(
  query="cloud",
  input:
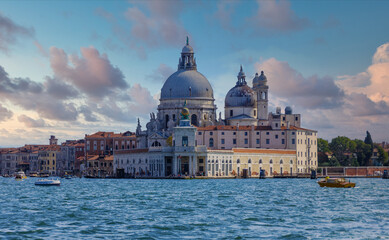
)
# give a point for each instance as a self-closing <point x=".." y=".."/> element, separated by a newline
<point x="286" y="82"/>
<point x="276" y="17"/>
<point x="374" y="81"/>
<point x="88" y="114"/>
<point x="157" y="23"/>
<point x="153" y="24"/>
<point x="331" y="22"/>
<point x="223" y="14"/>
<point x="141" y="104"/>
<point x="41" y="49"/>
<point x="161" y="73"/>
<point x="92" y="73"/>
<point x="59" y="89"/>
<point x="5" y="113"/>
<point x="34" y="96"/>
<point x="30" y="122"/>
<point x="10" y="32"/>
<point x="359" y="104"/>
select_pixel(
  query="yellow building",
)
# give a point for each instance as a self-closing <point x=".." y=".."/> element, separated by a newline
<point x="48" y="159"/>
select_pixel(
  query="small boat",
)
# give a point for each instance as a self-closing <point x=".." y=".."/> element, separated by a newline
<point x="48" y="182"/>
<point x="336" y="183"/>
<point x="20" y="175"/>
<point x="33" y="174"/>
<point x="68" y="177"/>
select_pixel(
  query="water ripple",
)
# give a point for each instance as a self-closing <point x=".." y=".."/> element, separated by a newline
<point x="201" y="209"/>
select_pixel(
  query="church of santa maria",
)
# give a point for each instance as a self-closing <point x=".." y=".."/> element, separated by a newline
<point x="187" y="138"/>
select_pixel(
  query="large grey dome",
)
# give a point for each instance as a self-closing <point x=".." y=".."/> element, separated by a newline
<point x="187" y="84"/>
<point x="240" y="96"/>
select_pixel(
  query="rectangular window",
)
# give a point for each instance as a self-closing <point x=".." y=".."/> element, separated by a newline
<point x="255" y="113"/>
<point x="257" y="140"/>
<point x="257" y="133"/>
<point x="234" y="133"/>
<point x="297" y="118"/>
<point x="283" y="141"/>
<point x="293" y="141"/>
<point x="245" y="133"/>
<point x="234" y="141"/>
<point x="293" y="133"/>
<point x="283" y="133"/>
<point x="283" y="118"/>
<point x="200" y="133"/>
<point x="184" y="141"/>
<point x="276" y="136"/>
<point x="222" y="133"/>
<point x="267" y="133"/>
<point x="222" y="140"/>
<point x="267" y="141"/>
<point x="211" y="133"/>
<point x="246" y="141"/>
<point x="276" y="124"/>
<point x="231" y="113"/>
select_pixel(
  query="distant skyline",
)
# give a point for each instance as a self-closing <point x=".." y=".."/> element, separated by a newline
<point x="70" y="68"/>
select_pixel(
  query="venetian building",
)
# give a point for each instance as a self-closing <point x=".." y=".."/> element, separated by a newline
<point x="190" y="85"/>
<point x="261" y="88"/>
<point x="240" y="103"/>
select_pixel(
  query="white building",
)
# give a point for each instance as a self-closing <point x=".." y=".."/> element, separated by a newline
<point x="185" y="138"/>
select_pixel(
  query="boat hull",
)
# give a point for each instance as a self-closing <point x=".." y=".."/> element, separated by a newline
<point x="337" y="185"/>
<point x="48" y="183"/>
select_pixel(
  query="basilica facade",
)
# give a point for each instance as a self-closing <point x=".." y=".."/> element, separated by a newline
<point x="187" y="138"/>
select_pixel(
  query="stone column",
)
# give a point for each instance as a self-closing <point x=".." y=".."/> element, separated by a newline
<point x="206" y="165"/>
<point x="190" y="165"/>
<point x="174" y="165"/>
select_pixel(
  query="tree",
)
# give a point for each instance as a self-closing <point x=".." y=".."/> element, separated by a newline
<point x="369" y="141"/>
<point x="340" y="146"/>
<point x="363" y="152"/>
<point x="322" y="149"/>
<point x="322" y="145"/>
<point x="382" y="155"/>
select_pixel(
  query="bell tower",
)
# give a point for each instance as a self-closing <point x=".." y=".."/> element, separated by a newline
<point x="261" y="88"/>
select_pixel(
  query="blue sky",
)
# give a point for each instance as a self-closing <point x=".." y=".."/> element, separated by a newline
<point x="321" y="50"/>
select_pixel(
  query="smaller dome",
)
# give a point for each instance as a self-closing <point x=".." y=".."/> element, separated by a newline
<point x="288" y="110"/>
<point x="187" y="49"/>
<point x="259" y="80"/>
<point x="240" y="96"/>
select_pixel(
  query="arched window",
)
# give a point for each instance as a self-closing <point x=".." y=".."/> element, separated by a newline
<point x="249" y="160"/>
<point x="291" y="161"/>
<point x="211" y="142"/>
<point x="238" y="161"/>
<point x="166" y="120"/>
<point x="156" y="144"/>
<point x="271" y="160"/>
<point x="260" y="161"/>
<point x="193" y="120"/>
<point x="281" y="162"/>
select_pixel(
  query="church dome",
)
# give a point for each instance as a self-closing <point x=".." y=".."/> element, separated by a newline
<point x="259" y="80"/>
<point x="187" y="84"/>
<point x="241" y="95"/>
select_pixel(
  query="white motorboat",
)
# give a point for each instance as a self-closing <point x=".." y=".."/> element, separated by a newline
<point x="48" y="182"/>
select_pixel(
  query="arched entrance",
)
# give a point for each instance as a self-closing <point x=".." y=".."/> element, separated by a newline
<point x="193" y="120"/>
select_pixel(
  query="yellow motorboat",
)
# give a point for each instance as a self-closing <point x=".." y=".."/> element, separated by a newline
<point x="336" y="183"/>
<point x="20" y="175"/>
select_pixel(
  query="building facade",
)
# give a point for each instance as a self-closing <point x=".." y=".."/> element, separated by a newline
<point x="185" y="137"/>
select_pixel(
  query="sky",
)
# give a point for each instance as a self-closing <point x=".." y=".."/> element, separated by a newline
<point x="70" y="68"/>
